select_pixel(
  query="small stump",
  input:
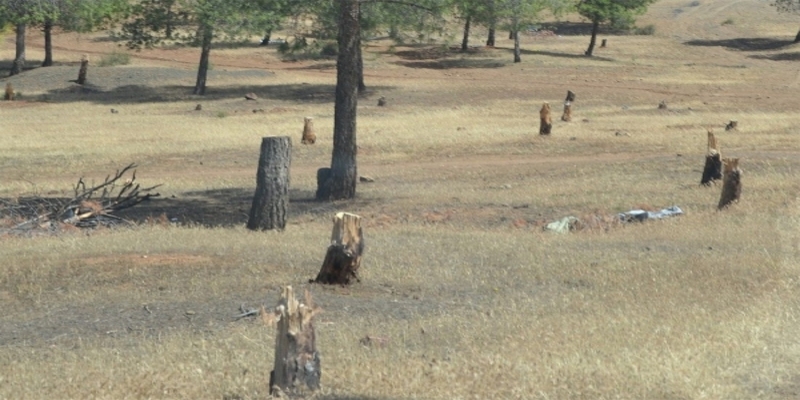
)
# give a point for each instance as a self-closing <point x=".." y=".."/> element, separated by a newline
<point x="713" y="168"/>
<point x="732" y="125"/>
<point x="731" y="184"/>
<point x="604" y="43"/>
<point x="382" y="102"/>
<point x="567" y="116"/>
<point x="308" y="131"/>
<point x="344" y="254"/>
<point x="271" y="198"/>
<point x="546" y="123"/>
<point x="297" y="360"/>
<point x="662" y="105"/>
<point x="9" y="96"/>
<point x="84" y="69"/>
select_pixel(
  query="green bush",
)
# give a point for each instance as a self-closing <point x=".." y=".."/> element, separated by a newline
<point x="115" y="58"/>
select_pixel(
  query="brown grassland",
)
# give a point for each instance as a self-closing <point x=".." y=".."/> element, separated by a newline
<point x="476" y="301"/>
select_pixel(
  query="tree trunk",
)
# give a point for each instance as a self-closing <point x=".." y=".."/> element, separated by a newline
<point x="731" y="183"/>
<point x="511" y="35"/>
<point x="797" y="38"/>
<point x="362" y="87"/>
<point x="83" y="70"/>
<point x="266" y="38"/>
<point x="465" y="40"/>
<point x="593" y="40"/>
<point x="48" y="43"/>
<point x="341" y="183"/>
<point x="19" y="59"/>
<point x="517" y="49"/>
<point x="344" y="254"/>
<point x="271" y="198"/>
<point x="490" y="38"/>
<point x="202" y="69"/>
<point x="297" y="360"/>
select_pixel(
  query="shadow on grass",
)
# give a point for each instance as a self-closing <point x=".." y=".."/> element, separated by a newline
<point x="564" y="55"/>
<point x="743" y="44"/>
<point x="298" y="93"/>
<point x="794" y="56"/>
<point x="453" y="63"/>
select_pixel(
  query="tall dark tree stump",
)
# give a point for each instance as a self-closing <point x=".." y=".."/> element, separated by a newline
<point x="546" y="124"/>
<point x="297" y="361"/>
<point x="271" y="198"/>
<point x="731" y="184"/>
<point x="344" y="254"/>
<point x="713" y="168"/>
<point x="84" y="69"/>
<point x="308" y="131"/>
<point x="9" y="95"/>
<point x="567" y="116"/>
<point x="603" y="43"/>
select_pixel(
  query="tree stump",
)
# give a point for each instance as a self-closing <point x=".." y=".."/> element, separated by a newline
<point x="603" y="43"/>
<point x="344" y="254"/>
<point x="732" y="125"/>
<point x="662" y="105"/>
<point x="713" y="168"/>
<point x="272" y="185"/>
<point x="731" y="184"/>
<point x="308" y="131"/>
<point x="297" y="360"/>
<point x="382" y="102"/>
<point x="84" y="69"/>
<point x="9" y="96"/>
<point x="546" y="121"/>
<point x="567" y="116"/>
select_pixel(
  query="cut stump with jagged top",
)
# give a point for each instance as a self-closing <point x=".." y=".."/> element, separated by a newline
<point x="343" y="257"/>
<point x="731" y="183"/>
<point x="713" y="168"/>
<point x="297" y="362"/>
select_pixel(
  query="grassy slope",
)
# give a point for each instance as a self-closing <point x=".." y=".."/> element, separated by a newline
<point x="475" y="300"/>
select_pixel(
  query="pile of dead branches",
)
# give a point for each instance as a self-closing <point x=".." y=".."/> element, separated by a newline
<point x="91" y="206"/>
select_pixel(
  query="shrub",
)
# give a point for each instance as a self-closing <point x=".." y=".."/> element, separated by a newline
<point x="115" y="58"/>
<point x="645" y="30"/>
<point x="728" y="21"/>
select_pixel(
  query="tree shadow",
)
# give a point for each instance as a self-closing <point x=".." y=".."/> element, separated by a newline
<point x="743" y="44"/>
<point x="566" y="28"/>
<point x="453" y="64"/>
<point x="794" y="56"/>
<point x="132" y="94"/>
<point x="564" y="55"/>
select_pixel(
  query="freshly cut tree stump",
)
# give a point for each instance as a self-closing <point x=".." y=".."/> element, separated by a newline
<point x="731" y="184"/>
<point x="567" y="116"/>
<point x="308" y="131"/>
<point x="297" y="360"/>
<point x="272" y="185"/>
<point x="546" y="124"/>
<point x="84" y="69"/>
<point x="344" y="254"/>
<point x="713" y="168"/>
<point x="732" y="125"/>
<point x="9" y="96"/>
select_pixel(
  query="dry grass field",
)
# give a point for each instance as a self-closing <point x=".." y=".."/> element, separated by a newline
<point x="476" y="301"/>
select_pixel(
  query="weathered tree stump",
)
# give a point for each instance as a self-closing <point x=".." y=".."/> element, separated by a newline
<point x="297" y="360"/>
<point x="308" y="131"/>
<point x="567" y="116"/>
<point x="9" y="96"/>
<point x="731" y="184"/>
<point x="604" y="43"/>
<point x="732" y="125"/>
<point x="382" y="102"/>
<point x="272" y="185"/>
<point x="713" y="168"/>
<point x="344" y="254"/>
<point x="662" y="105"/>
<point x="84" y="69"/>
<point x="546" y="124"/>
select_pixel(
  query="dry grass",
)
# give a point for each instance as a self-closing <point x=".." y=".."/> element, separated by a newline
<point x="475" y="301"/>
